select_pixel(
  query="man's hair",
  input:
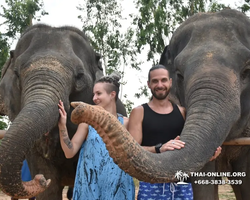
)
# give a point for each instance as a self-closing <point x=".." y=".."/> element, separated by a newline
<point x="112" y="81"/>
<point x="159" y="66"/>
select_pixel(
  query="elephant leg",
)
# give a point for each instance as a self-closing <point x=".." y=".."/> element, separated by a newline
<point x="54" y="193"/>
<point x="242" y="164"/>
<point x="205" y="191"/>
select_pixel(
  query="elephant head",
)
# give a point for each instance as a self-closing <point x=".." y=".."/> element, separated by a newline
<point x="47" y="65"/>
<point x="209" y="60"/>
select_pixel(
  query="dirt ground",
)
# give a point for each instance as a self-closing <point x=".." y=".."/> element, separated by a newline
<point x="225" y="193"/>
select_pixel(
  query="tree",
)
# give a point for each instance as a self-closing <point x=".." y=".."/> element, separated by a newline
<point x="17" y="15"/>
<point x="4" y="51"/>
<point x="159" y="19"/>
<point x="102" y="23"/>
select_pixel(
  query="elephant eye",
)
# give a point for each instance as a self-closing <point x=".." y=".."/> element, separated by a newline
<point x="16" y="72"/>
<point x="180" y="87"/>
<point x="245" y="75"/>
<point x="245" y="72"/>
<point x="179" y="80"/>
<point x="179" y="76"/>
<point x="79" y="75"/>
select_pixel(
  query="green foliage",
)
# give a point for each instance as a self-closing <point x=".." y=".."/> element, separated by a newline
<point x="158" y="19"/>
<point x="214" y="7"/>
<point x="128" y="105"/>
<point x="143" y="91"/>
<point x="151" y="24"/>
<point x="102" y="23"/>
<point x="245" y="7"/>
<point x="4" y="51"/>
<point x="17" y="16"/>
<point x="3" y="124"/>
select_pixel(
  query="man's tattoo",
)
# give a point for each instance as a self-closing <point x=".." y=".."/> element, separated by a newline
<point x="66" y="139"/>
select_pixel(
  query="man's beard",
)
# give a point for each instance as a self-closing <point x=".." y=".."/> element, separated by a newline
<point x="161" y="96"/>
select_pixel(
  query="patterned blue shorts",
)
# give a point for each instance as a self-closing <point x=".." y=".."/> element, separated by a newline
<point x="165" y="191"/>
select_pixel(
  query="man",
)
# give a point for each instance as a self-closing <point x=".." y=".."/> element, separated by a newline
<point x="156" y="126"/>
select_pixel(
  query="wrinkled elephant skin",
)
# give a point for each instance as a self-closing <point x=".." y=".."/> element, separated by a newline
<point x="47" y="65"/>
<point x="209" y="59"/>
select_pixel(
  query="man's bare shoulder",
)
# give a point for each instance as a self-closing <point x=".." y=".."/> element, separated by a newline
<point x="138" y="108"/>
<point x="136" y="116"/>
<point x="181" y="108"/>
<point x="183" y="111"/>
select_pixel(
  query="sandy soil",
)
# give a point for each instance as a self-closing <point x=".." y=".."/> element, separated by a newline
<point x="225" y="193"/>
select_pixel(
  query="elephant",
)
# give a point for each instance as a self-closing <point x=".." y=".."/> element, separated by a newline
<point x="48" y="64"/>
<point x="208" y="58"/>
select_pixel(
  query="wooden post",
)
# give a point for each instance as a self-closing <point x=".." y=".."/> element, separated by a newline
<point x="238" y="141"/>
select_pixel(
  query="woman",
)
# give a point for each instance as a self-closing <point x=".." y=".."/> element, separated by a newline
<point x="97" y="176"/>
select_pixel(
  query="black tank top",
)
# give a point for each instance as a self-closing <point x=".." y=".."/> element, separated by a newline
<point x="160" y="128"/>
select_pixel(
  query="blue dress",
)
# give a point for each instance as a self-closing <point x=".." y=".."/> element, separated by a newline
<point x="97" y="176"/>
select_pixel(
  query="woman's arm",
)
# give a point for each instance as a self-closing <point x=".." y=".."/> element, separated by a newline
<point x="70" y="147"/>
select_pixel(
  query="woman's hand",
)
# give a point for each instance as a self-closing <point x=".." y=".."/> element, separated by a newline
<point x="63" y="114"/>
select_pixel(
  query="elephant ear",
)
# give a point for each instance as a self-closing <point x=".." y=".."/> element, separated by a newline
<point x="168" y="63"/>
<point x="9" y="89"/>
<point x="7" y="64"/>
<point x="99" y="72"/>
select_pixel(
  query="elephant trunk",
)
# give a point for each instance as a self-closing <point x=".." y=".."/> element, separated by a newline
<point x="205" y="129"/>
<point x="38" y="116"/>
<point x="20" y="137"/>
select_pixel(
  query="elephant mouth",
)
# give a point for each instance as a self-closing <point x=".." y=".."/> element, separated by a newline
<point x="45" y="146"/>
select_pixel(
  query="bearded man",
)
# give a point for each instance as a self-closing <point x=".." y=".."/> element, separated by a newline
<point x="157" y="126"/>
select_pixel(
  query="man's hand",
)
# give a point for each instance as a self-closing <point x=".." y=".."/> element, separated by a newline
<point x="216" y="154"/>
<point x="172" y="144"/>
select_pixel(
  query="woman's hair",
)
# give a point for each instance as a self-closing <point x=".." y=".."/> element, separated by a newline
<point x="112" y="81"/>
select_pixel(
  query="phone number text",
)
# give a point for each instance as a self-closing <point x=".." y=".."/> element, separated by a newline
<point x="218" y="182"/>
